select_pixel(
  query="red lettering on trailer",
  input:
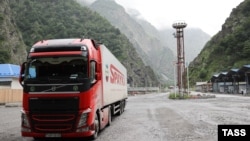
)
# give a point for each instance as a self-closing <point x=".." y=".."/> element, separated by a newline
<point x="116" y="76"/>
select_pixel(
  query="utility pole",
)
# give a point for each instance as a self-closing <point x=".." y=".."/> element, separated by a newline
<point x="179" y="35"/>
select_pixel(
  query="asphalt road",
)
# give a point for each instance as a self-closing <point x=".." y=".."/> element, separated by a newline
<point x="153" y="117"/>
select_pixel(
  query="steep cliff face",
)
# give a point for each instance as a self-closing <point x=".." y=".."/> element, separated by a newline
<point x="12" y="48"/>
<point x="156" y="48"/>
<point x="147" y="43"/>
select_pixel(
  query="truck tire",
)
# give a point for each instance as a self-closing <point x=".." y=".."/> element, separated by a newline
<point x="97" y="127"/>
<point x="123" y="105"/>
<point x="109" y="117"/>
<point x="121" y="108"/>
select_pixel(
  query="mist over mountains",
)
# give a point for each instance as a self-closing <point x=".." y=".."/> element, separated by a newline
<point x="142" y="48"/>
<point x="25" y="22"/>
<point x="156" y="47"/>
<point x="229" y="48"/>
<point x="194" y="41"/>
<point x="194" y="38"/>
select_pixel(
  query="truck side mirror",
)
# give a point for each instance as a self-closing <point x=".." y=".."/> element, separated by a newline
<point x="22" y="71"/>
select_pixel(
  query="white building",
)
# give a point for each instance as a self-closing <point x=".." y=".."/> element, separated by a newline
<point x="9" y="76"/>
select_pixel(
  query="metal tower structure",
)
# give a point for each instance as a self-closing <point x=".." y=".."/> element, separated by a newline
<point x="179" y="35"/>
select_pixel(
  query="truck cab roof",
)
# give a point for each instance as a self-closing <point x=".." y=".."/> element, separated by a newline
<point x="70" y="44"/>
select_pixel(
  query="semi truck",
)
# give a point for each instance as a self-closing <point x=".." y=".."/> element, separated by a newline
<point x="72" y="88"/>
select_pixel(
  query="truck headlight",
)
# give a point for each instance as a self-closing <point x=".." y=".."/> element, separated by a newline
<point x="25" y="122"/>
<point x="84" y="117"/>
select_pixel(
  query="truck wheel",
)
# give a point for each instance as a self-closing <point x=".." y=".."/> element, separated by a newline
<point x="97" y="127"/>
<point x="121" y="108"/>
<point x="109" y="117"/>
<point x="125" y="104"/>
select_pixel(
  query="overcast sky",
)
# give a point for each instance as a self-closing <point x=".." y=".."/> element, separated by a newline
<point x="209" y="15"/>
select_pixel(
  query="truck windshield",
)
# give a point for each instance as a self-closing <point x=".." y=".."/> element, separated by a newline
<point x="57" y="67"/>
<point x="54" y="74"/>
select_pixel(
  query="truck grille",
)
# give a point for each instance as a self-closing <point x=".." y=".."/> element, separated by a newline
<point x="54" y="123"/>
<point x="53" y="104"/>
<point x="53" y="115"/>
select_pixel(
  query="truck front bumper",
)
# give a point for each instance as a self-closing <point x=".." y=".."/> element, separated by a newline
<point x="58" y="135"/>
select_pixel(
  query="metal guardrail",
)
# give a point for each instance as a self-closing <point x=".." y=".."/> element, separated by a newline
<point x="143" y="89"/>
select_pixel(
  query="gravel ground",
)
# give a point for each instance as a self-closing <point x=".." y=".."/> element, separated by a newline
<point x="154" y="117"/>
<point x="10" y="123"/>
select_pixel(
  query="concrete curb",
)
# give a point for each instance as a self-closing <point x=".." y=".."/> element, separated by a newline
<point x="19" y="104"/>
<point x="203" y="96"/>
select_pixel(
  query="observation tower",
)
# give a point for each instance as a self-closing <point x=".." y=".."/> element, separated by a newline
<point x="179" y="35"/>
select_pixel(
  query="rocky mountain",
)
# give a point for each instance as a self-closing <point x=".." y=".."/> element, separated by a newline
<point x="147" y="44"/>
<point x="24" y="22"/>
<point x="228" y="49"/>
<point x="194" y="38"/>
<point x="156" y="48"/>
<point x="194" y="41"/>
<point x="12" y="48"/>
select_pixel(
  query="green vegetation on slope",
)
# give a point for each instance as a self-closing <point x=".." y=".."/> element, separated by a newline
<point x="12" y="48"/>
<point x="46" y="19"/>
<point x="230" y="48"/>
<point x="63" y="19"/>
